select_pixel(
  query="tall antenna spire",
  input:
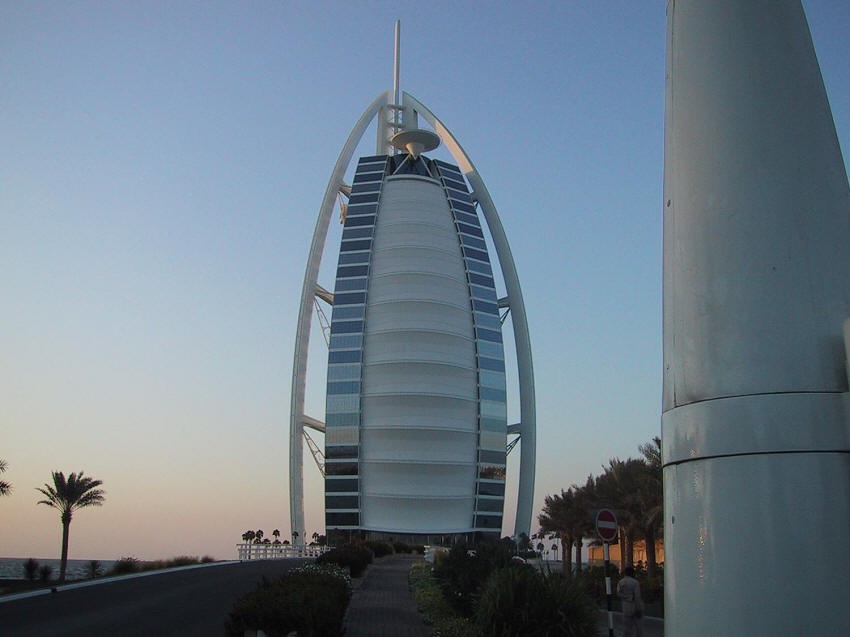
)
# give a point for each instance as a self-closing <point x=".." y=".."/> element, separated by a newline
<point x="396" y="64"/>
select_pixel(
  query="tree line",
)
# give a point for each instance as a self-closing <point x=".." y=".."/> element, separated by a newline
<point x="632" y="488"/>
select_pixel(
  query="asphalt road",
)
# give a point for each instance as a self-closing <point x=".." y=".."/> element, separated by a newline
<point x="184" y="603"/>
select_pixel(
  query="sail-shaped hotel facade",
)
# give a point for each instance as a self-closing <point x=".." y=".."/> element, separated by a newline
<point x="416" y="431"/>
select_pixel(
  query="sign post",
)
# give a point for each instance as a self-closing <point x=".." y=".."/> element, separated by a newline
<point x="606" y="528"/>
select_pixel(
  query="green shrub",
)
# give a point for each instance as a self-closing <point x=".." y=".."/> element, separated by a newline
<point x="419" y="549"/>
<point x="307" y="602"/>
<point x="436" y="611"/>
<point x="207" y="559"/>
<point x="356" y="558"/>
<point x="126" y="565"/>
<point x="518" y="600"/>
<point x="401" y="547"/>
<point x="379" y="549"/>
<point x="462" y="572"/>
<point x="93" y="569"/>
<point x="45" y="572"/>
<point x="30" y="568"/>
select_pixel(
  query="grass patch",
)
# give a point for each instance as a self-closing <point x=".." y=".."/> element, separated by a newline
<point x="444" y="620"/>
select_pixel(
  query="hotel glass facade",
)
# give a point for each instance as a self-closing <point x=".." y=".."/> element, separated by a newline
<point x="416" y="408"/>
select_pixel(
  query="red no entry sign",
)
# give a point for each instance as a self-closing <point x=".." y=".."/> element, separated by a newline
<point x="606" y="525"/>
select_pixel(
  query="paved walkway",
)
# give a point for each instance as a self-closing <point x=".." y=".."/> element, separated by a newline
<point x="383" y="606"/>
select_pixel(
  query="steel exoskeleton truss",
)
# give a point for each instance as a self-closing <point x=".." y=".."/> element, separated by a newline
<point x="384" y="110"/>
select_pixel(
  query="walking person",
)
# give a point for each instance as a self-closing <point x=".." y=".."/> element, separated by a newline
<point x="628" y="590"/>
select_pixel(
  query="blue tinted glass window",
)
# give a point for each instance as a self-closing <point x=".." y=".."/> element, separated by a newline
<point x="345" y="356"/>
<point x="459" y="196"/>
<point x="491" y="364"/>
<point x="346" y="327"/>
<point x="495" y="380"/>
<point x="367" y="188"/>
<point x="341" y="468"/>
<point x="487" y="504"/>
<point x="370" y="159"/>
<point x="350" y="371"/>
<point x="493" y="409"/>
<point x="492" y="394"/>
<point x="483" y="306"/>
<point x="346" y="285"/>
<point x="363" y="177"/>
<point x="344" y="403"/>
<point x="476" y="254"/>
<point x="349" y="298"/>
<point x="357" y="233"/>
<point x="342" y="485"/>
<point x="490" y="350"/>
<point x="490" y="321"/>
<point x="346" y="341"/>
<point x="492" y="424"/>
<point x="349" y="419"/>
<point x="361" y="209"/>
<point x="367" y="198"/>
<point x="451" y="182"/>
<point x="341" y="502"/>
<point x="467" y="218"/>
<point x="494" y="457"/>
<point x="483" y="268"/>
<point x="492" y="471"/>
<point x="488" y="335"/>
<point x="491" y="488"/>
<point x="479" y="292"/>
<point x="465" y="207"/>
<point x="365" y="220"/>
<point x="352" y="270"/>
<point x="353" y="257"/>
<point x="341" y="451"/>
<point x="359" y="244"/>
<point x="469" y="229"/>
<point x="349" y="312"/>
<point x="481" y="280"/>
<point x="488" y="521"/>
<point x="344" y="387"/>
<point x="334" y="520"/>
<point x="473" y="242"/>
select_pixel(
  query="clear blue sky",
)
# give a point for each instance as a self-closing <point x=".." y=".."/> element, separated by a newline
<point x="161" y="167"/>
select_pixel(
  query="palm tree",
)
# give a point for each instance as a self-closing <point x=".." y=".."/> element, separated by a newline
<point x="5" y="487"/>
<point x="566" y="515"/>
<point x="295" y="537"/>
<point x="653" y="514"/>
<point x="77" y="492"/>
<point x="259" y="536"/>
<point x="276" y="533"/>
<point x="316" y="537"/>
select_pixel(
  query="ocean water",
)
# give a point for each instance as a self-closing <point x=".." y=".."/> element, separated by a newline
<point x="13" y="567"/>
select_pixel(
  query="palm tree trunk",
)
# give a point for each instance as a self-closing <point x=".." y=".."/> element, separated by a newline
<point x="650" y="551"/>
<point x="621" y="532"/>
<point x="567" y="554"/>
<point x="63" y="564"/>
<point x="579" y="544"/>
<point x="630" y="548"/>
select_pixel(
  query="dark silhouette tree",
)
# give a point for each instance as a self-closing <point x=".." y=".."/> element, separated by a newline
<point x="5" y="487"/>
<point x="565" y="515"/>
<point x="77" y="492"/>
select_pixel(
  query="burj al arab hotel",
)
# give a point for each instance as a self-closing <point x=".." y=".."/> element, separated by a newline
<point x="415" y="429"/>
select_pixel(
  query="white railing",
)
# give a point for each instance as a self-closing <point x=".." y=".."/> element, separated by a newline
<point x="248" y="551"/>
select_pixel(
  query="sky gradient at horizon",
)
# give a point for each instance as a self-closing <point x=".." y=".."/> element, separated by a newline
<point x="161" y="175"/>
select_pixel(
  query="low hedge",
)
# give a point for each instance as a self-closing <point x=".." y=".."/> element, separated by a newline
<point x="379" y="549"/>
<point x="310" y="602"/>
<point x="356" y="558"/>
